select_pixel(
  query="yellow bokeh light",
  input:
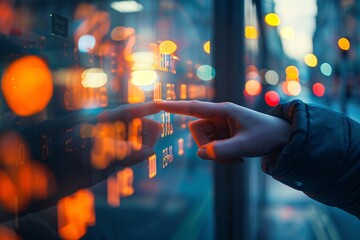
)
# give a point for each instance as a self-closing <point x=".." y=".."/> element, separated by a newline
<point x="93" y="78"/>
<point x="310" y="60"/>
<point x="251" y="32"/>
<point x="253" y="87"/>
<point x="292" y="72"/>
<point x="287" y="33"/>
<point x="206" y="47"/>
<point x="167" y="47"/>
<point x="27" y="85"/>
<point x="272" y="19"/>
<point x="344" y="44"/>
<point x="143" y="77"/>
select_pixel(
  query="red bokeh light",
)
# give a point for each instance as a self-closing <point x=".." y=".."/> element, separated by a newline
<point x="272" y="98"/>
<point x="318" y="89"/>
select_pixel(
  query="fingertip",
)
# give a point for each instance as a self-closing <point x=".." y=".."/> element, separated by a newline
<point x="202" y="154"/>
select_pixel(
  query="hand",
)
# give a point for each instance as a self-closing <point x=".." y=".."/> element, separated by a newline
<point x="150" y="130"/>
<point x="226" y="132"/>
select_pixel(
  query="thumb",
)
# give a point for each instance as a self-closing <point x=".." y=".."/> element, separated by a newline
<point x="227" y="150"/>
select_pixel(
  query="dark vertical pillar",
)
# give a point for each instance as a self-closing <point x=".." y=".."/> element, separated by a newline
<point x="230" y="180"/>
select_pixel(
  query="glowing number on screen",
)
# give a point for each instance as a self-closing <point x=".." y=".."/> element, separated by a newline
<point x="75" y="213"/>
<point x="180" y="146"/>
<point x="120" y="185"/>
<point x="152" y="166"/>
<point x="157" y="91"/>
<point x="135" y="137"/>
<point x="68" y="144"/>
<point x="167" y="156"/>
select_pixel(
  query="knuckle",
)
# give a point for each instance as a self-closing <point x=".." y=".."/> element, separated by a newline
<point x="227" y="106"/>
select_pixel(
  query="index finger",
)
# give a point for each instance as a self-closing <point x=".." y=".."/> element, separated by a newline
<point x="129" y="112"/>
<point x="192" y="108"/>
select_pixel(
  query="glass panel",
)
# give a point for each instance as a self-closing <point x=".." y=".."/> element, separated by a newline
<point x="83" y="148"/>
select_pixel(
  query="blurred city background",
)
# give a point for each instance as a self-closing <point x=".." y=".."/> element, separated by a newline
<point x="63" y="62"/>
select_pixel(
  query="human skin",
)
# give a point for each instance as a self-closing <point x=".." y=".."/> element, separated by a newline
<point x="226" y="132"/>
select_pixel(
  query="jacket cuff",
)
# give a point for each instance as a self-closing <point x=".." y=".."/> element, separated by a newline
<point x="312" y="159"/>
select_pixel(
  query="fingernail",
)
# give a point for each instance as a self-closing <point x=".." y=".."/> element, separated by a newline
<point x="202" y="153"/>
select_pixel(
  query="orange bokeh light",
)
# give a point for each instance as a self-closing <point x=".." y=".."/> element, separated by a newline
<point x="294" y="88"/>
<point x="8" y="234"/>
<point x="27" y="85"/>
<point x="21" y="178"/>
<point x="253" y="87"/>
<point x="344" y="44"/>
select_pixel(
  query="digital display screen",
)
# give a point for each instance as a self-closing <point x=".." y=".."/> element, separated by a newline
<point x="82" y="145"/>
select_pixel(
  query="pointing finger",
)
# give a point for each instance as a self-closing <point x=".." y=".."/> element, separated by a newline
<point x="192" y="108"/>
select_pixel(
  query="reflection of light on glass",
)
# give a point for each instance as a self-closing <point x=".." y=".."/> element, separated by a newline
<point x="205" y="72"/>
<point x="167" y="156"/>
<point x="251" y="32"/>
<point x="272" y="98"/>
<point x="253" y="75"/>
<point x="152" y="166"/>
<point x="135" y="137"/>
<point x="310" y="60"/>
<point x="27" y="85"/>
<point x="292" y="72"/>
<point x="344" y="44"/>
<point x="181" y="147"/>
<point x="75" y="213"/>
<point x="206" y="47"/>
<point x="120" y="185"/>
<point x="253" y="87"/>
<point x="294" y="88"/>
<point x="167" y="47"/>
<point x="318" y="89"/>
<point x="135" y="94"/>
<point x="86" y="43"/>
<point x="271" y="77"/>
<point x="87" y="131"/>
<point x="143" y="77"/>
<point x="126" y="178"/>
<point x="197" y="91"/>
<point x="183" y="93"/>
<point x="7" y="233"/>
<point x="119" y="33"/>
<point x="284" y="87"/>
<point x="127" y="6"/>
<point x="157" y="91"/>
<point x="93" y="78"/>
<point x="251" y="68"/>
<point x="170" y="91"/>
<point x="76" y="96"/>
<point x="143" y="61"/>
<point x="109" y="143"/>
<point x="166" y="125"/>
<point x="326" y="69"/>
<point x="272" y="19"/>
<point x="287" y="33"/>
